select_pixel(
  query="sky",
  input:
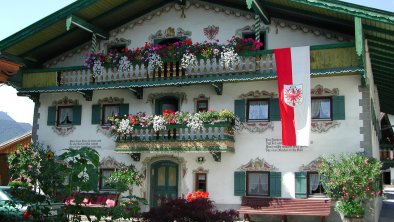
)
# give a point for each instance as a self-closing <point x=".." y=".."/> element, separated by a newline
<point x="18" y="14"/>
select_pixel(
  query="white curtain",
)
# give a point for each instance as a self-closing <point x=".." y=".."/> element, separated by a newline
<point x="258" y="110"/>
<point x="321" y="109"/>
<point x="314" y="181"/>
<point x="110" y="111"/>
<point x="258" y="184"/>
<point x="66" y="116"/>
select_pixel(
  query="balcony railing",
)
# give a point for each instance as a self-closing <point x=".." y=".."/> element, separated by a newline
<point x="217" y="137"/>
<point x="331" y="58"/>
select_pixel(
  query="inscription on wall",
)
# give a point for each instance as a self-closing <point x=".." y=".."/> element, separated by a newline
<point x="76" y="144"/>
<point x="275" y="145"/>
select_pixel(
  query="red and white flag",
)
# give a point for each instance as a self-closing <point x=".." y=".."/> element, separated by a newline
<point x="293" y="68"/>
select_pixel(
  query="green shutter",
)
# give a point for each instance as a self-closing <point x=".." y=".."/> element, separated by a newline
<point x="51" y="121"/>
<point x="239" y="109"/>
<point x="124" y="109"/>
<point x="300" y="185"/>
<point x="275" y="184"/>
<point x="239" y="183"/>
<point x="77" y="112"/>
<point x="338" y="107"/>
<point x="96" y="111"/>
<point x="274" y="109"/>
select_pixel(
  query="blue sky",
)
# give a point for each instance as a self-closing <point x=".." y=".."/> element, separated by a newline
<point x="18" y="14"/>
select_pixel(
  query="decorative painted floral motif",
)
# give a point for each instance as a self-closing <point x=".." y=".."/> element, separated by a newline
<point x="211" y="31"/>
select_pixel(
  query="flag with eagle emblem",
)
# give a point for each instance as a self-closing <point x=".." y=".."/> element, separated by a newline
<point x="293" y="69"/>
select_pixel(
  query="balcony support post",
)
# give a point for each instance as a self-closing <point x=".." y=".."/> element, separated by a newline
<point x="217" y="156"/>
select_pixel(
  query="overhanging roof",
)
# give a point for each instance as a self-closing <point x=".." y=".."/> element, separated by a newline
<point x="48" y="37"/>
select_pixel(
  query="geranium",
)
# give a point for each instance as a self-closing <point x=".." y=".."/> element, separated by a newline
<point x="229" y="57"/>
<point x="188" y="60"/>
<point x="169" y="116"/>
<point x="197" y="195"/>
<point x="241" y="45"/>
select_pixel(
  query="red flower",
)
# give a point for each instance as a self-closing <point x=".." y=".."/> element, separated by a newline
<point x="147" y="46"/>
<point x="197" y="195"/>
<point x="188" y="42"/>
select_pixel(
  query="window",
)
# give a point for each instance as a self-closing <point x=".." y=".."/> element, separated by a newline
<point x="103" y="183"/>
<point x="166" y="103"/>
<point x="314" y="184"/>
<point x="257" y="110"/>
<point x="257" y="183"/>
<point x="65" y="115"/>
<point x="321" y="109"/>
<point x="201" y="181"/>
<point x="117" y="48"/>
<point x="202" y="105"/>
<point x="252" y="35"/>
<point x="109" y="110"/>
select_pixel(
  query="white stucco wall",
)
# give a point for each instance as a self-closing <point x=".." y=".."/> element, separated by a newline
<point x="196" y="20"/>
<point x="344" y="138"/>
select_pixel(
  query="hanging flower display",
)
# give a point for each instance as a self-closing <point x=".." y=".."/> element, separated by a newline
<point x="229" y="57"/>
<point x="97" y="68"/>
<point x="124" y="64"/>
<point x="188" y="60"/>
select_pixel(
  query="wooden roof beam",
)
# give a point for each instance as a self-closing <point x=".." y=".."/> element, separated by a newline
<point x="74" y="20"/>
<point x="260" y="10"/>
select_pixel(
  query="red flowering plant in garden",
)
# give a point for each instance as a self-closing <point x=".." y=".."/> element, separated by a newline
<point x="352" y="180"/>
<point x="197" y="195"/>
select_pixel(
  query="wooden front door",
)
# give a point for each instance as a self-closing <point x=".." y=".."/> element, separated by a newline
<point x="164" y="182"/>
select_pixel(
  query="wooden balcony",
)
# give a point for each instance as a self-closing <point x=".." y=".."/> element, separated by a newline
<point x="331" y="59"/>
<point x="212" y="138"/>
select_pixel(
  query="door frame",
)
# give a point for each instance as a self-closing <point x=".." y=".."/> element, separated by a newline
<point x="152" y="183"/>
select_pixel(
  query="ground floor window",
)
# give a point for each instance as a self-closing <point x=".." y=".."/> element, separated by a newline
<point x="103" y="183"/>
<point x="257" y="183"/>
<point x="315" y="186"/>
<point x="201" y="181"/>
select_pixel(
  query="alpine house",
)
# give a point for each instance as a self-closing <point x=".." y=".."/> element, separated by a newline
<point x="127" y="77"/>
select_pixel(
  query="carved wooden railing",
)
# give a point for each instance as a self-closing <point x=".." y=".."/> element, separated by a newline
<point x="259" y="62"/>
<point x="211" y="137"/>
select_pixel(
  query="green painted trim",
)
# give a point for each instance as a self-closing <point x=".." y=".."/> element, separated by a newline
<point x="384" y="62"/>
<point x="360" y="47"/>
<point x="377" y="55"/>
<point x="60" y="69"/>
<point x="44" y="23"/>
<point x="261" y="11"/>
<point x="377" y="29"/>
<point x="381" y="50"/>
<point x="351" y="9"/>
<point x="333" y="46"/>
<point x="382" y="66"/>
<point x="380" y="40"/>
<point x="73" y="19"/>
<point x="173" y="149"/>
<point x="380" y="46"/>
<point x="308" y="14"/>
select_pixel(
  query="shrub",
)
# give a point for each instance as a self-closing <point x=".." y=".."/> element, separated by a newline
<point x="181" y="210"/>
<point x="352" y="180"/>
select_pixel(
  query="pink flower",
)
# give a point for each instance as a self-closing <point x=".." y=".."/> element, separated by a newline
<point x="110" y="203"/>
<point x="343" y="181"/>
<point x="366" y="163"/>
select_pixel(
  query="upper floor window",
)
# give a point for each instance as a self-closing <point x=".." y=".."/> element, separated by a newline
<point x="257" y="183"/>
<point x="252" y="35"/>
<point x="108" y="107"/>
<point x="65" y="115"/>
<point x="202" y="105"/>
<point x="108" y="111"/>
<point x="201" y="181"/>
<point x="257" y="110"/>
<point x="117" y="48"/>
<point x="321" y="109"/>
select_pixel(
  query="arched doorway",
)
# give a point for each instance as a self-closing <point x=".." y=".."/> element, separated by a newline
<point x="164" y="182"/>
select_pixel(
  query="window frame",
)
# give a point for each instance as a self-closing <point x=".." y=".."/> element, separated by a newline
<point x="103" y="106"/>
<point x="198" y="102"/>
<point x="247" y="183"/>
<point x="331" y="108"/>
<point x="196" y="184"/>
<point x="248" y="107"/>
<point x="101" y="178"/>
<point x="262" y="33"/>
<point x="58" y="108"/>
<point x="308" y="191"/>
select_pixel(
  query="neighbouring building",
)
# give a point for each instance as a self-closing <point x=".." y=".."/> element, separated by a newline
<point x="351" y="50"/>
